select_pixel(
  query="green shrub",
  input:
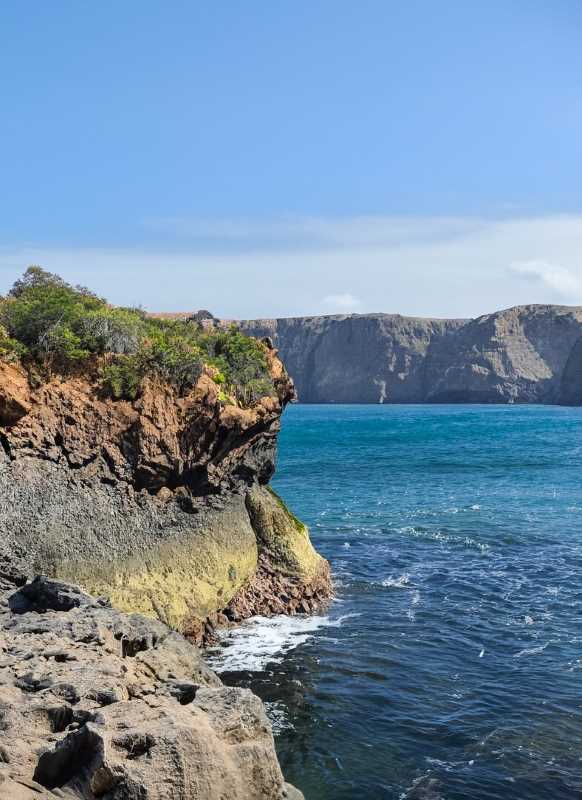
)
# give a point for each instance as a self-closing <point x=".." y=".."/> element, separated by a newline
<point x="113" y="330"/>
<point x="122" y="378"/>
<point x="242" y="363"/>
<point x="37" y="278"/>
<point x="46" y="315"/>
<point x="50" y="324"/>
<point x="10" y="349"/>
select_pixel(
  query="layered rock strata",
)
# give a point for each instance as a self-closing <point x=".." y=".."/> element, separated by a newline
<point x="95" y="703"/>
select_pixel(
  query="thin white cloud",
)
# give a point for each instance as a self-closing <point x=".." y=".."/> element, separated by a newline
<point x="324" y="232"/>
<point x="563" y="282"/>
<point x="412" y="266"/>
<point x="342" y="302"/>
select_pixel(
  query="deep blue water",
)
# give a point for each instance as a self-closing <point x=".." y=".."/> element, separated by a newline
<point x="451" y="664"/>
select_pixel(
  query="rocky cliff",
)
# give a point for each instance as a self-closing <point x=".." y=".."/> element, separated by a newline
<point x="95" y="703"/>
<point x="160" y="503"/>
<point x="135" y="457"/>
<point x="527" y="354"/>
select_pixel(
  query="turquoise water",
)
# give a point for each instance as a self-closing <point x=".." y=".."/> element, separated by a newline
<point x="450" y="665"/>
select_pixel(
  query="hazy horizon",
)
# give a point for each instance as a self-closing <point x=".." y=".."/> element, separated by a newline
<point x="342" y="314"/>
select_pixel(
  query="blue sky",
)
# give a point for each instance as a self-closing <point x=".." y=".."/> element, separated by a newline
<point x="280" y="158"/>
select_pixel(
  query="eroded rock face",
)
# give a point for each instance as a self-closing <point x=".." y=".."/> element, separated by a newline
<point x="291" y="577"/>
<point x="571" y="382"/>
<point x="523" y="355"/>
<point x="144" y="502"/>
<point x="99" y="704"/>
<point x="162" y="440"/>
<point x="14" y="394"/>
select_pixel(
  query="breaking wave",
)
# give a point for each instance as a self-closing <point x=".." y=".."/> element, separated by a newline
<point x="265" y="640"/>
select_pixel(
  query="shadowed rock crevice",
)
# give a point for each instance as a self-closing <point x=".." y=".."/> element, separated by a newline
<point x="42" y="595"/>
<point x="73" y="757"/>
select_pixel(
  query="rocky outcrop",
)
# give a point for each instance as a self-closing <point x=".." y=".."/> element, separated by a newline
<point x="285" y="553"/>
<point x="95" y="703"/>
<point x="527" y="354"/>
<point x="160" y="504"/>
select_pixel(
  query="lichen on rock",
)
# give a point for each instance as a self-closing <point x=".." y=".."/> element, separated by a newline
<point x="281" y="536"/>
<point x="291" y="577"/>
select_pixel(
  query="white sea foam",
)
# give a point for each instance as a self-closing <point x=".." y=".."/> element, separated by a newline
<point x="448" y="766"/>
<point x="445" y="538"/>
<point x="397" y="583"/>
<point x="265" y="640"/>
<point x="278" y="716"/>
<point x="532" y="651"/>
<point x="425" y="786"/>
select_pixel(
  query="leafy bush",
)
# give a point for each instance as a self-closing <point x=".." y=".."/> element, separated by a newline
<point x="38" y="278"/>
<point x="242" y="363"/>
<point x="122" y="378"/>
<point x="45" y="315"/>
<point x="10" y="349"/>
<point x="49" y="323"/>
<point x="113" y="330"/>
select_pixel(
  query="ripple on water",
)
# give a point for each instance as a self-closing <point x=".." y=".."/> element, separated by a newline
<point x="460" y="678"/>
<point x="444" y="538"/>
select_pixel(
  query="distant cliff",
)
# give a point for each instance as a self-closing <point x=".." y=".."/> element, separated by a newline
<point x="526" y="354"/>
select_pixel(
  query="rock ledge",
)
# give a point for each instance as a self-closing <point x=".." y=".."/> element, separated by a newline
<point x="95" y="703"/>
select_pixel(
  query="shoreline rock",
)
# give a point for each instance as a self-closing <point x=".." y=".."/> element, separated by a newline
<point x="149" y="519"/>
<point x="98" y="703"/>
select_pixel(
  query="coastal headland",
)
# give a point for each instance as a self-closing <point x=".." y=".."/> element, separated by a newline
<point x="135" y="461"/>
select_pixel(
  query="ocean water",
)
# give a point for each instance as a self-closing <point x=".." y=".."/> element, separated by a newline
<point x="450" y="665"/>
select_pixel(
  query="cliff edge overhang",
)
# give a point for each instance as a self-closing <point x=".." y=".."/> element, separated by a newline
<point x="159" y="503"/>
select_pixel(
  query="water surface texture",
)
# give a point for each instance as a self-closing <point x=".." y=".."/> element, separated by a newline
<point x="450" y="666"/>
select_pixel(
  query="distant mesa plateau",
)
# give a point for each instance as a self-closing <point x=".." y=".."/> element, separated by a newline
<point x="526" y="354"/>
